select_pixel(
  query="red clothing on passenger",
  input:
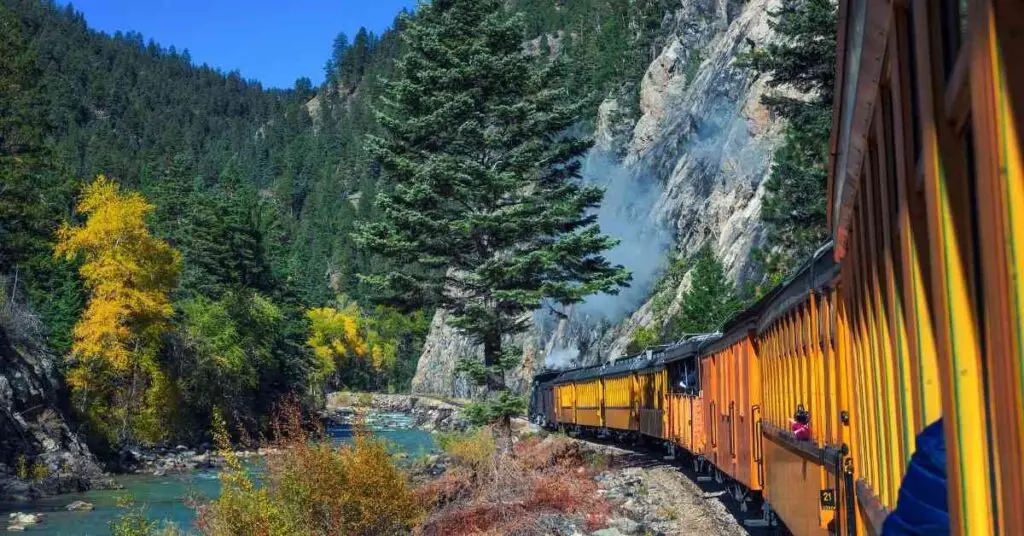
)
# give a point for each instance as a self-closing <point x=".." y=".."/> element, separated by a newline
<point x="801" y="431"/>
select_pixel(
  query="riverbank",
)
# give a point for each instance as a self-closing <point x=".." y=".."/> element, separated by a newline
<point x="429" y="414"/>
<point x="171" y="497"/>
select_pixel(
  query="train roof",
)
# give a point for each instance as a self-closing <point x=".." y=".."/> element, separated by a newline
<point x="690" y="347"/>
<point x="651" y="359"/>
<point x="817" y="274"/>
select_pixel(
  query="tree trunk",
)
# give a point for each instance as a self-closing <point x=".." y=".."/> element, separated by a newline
<point x="502" y="427"/>
<point x="502" y="430"/>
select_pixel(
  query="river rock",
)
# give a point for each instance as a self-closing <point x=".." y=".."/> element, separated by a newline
<point x="79" y="506"/>
<point x="625" y="525"/>
<point x="427" y="413"/>
<point x="18" y="518"/>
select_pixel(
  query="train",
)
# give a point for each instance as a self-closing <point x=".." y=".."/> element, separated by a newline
<point x="912" y="314"/>
<point x="726" y="399"/>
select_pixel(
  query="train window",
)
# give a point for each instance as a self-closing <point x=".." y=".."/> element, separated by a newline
<point x="910" y="62"/>
<point x="954" y="31"/>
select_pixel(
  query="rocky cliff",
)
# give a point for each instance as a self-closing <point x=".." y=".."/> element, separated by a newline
<point x="39" y="452"/>
<point x="689" y="171"/>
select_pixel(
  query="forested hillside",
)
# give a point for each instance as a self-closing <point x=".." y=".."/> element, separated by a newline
<point x="254" y="195"/>
<point x="255" y="190"/>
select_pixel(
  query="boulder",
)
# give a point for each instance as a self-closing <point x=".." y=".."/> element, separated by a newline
<point x="79" y="506"/>
<point x="18" y="518"/>
<point x="625" y="525"/>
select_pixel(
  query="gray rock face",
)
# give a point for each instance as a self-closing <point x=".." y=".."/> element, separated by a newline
<point x="33" y="428"/>
<point x="699" y="153"/>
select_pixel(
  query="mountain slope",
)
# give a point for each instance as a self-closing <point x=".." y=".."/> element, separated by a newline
<point x="689" y="171"/>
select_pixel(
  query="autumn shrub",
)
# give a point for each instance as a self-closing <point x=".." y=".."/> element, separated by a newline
<point x="311" y="486"/>
<point x="473" y="449"/>
<point x="132" y="521"/>
<point x="449" y="488"/>
<point x="547" y="478"/>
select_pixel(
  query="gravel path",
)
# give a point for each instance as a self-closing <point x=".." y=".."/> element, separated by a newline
<point x="654" y="496"/>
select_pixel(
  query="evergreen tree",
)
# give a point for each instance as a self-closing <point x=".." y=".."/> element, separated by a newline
<point x="711" y="299"/>
<point x="484" y="207"/>
<point x="803" y="58"/>
<point x="23" y="218"/>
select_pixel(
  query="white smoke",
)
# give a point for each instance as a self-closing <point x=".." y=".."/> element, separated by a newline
<point x="626" y="214"/>
<point x="561" y="358"/>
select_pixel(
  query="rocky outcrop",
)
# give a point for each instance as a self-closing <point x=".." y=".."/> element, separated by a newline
<point x="39" y="452"/>
<point x="694" y="165"/>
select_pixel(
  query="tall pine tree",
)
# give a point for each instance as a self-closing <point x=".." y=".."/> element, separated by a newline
<point x="483" y="206"/>
<point x="710" y="300"/>
<point x="803" y="58"/>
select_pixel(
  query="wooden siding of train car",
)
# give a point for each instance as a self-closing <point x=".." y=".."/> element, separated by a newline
<point x="792" y="487"/>
<point x="932" y="266"/>
<point x="589" y="400"/>
<point x="685" y="422"/>
<point x="618" y="404"/>
<point x="736" y="392"/>
<point x="565" y="395"/>
<point x="800" y="368"/>
<point x="651" y="391"/>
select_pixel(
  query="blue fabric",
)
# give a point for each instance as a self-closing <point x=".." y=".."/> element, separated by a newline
<point x="922" y="506"/>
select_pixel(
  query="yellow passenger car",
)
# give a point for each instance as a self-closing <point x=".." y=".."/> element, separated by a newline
<point x="927" y="209"/>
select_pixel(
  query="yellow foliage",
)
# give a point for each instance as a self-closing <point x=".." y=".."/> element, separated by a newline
<point x="129" y="275"/>
<point x="312" y="487"/>
<point x="336" y="337"/>
<point x="342" y="336"/>
<point x="473" y="449"/>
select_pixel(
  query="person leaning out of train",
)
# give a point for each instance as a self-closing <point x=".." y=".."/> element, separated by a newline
<point x="922" y="506"/>
<point x="800" y="424"/>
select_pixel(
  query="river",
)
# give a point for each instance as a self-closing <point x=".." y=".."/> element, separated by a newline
<point x="164" y="497"/>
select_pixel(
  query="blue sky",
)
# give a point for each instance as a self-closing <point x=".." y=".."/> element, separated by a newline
<point x="274" y="42"/>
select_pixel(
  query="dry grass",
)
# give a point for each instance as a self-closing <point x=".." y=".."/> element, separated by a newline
<point x="547" y="480"/>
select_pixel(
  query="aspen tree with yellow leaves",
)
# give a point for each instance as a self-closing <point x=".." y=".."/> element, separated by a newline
<point x="354" y="347"/>
<point x="115" y="376"/>
<point x="337" y="338"/>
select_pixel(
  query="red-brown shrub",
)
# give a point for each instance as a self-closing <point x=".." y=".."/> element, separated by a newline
<point x="547" y="477"/>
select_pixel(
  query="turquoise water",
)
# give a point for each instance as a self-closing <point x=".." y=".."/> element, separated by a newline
<point x="164" y="497"/>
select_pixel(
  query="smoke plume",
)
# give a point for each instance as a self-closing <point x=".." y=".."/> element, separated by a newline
<point x="626" y="214"/>
<point x="561" y="358"/>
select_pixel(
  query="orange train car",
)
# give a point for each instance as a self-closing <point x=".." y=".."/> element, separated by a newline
<point x="805" y="479"/>
<point x="916" y="313"/>
<point x="727" y="399"/>
<point x="926" y="206"/>
<point x="731" y="373"/>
